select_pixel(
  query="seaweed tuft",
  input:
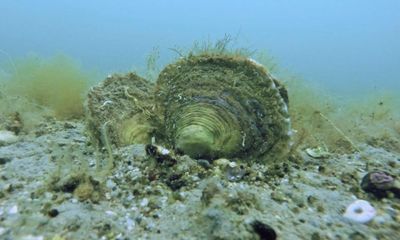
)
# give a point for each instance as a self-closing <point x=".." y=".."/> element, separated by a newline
<point x="56" y="83"/>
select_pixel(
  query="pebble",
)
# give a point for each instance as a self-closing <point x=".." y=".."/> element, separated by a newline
<point x="110" y="184"/>
<point x="144" y="202"/>
<point x="130" y="224"/>
<point x="108" y="195"/>
<point x="53" y="212"/>
<point x="381" y="219"/>
<point x="4" y="160"/>
<point x="235" y="173"/>
<point x="110" y="213"/>
<point x="13" y="210"/>
<point x="221" y="162"/>
<point x="7" y="137"/>
<point x="2" y="230"/>
<point x="379" y="183"/>
<point x="30" y="237"/>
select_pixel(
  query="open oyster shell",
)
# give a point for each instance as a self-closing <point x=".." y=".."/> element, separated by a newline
<point x="223" y="106"/>
<point x="119" y="110"/>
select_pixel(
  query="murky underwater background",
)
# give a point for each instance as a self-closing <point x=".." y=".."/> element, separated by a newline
<point x="339" y="61"/>
<point x="347" y="46"/>
<point x="340" y="58"/>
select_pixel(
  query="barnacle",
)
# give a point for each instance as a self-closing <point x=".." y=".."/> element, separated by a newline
<point x="222" y="106"/>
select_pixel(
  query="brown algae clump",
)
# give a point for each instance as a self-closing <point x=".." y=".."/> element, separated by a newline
<point x="217" y="105"/>
<point x="56" y="83"/>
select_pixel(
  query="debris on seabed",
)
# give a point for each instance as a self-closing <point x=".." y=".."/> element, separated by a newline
<point x="318" y="152"/>
<point x="360" y="211"/>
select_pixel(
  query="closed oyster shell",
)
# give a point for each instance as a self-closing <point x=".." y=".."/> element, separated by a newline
<point x="120" y="109"/>
<point x="223" y="106"/>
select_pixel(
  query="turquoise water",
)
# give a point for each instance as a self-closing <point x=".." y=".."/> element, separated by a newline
<point x="346" y="46"/>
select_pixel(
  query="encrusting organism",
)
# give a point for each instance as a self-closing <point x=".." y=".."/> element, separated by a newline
<point x="380" y="184"/>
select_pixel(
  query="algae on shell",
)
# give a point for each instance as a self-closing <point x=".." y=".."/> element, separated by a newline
<point x="216" y="105"/>
<point x="120" y="109"/>
<point x="206" y="106"/>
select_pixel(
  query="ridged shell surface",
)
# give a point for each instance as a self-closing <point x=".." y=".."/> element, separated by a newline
<point x="120" y="109"/>
<point x="223" y="106"/>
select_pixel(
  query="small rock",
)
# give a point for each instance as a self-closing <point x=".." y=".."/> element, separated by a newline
<point x="130" y="224"/>
<point x="144" y="202"/>
<point x="379" y="183"/>
<point x="264" y="231"/>
<point x="221" y="162"/>
<point x="2" y="230"/>
<point x="69" y="125"/>
<point x="13" y="210"/>
<point x="7" y="137"/>
<point x="204" y="163"/>
<point x="110" y="213"/>
<point x="4" y="160"/>
<point x="31" y="237"/>
<point x="235" y="172"/>
<point x="53" y="212"/>
<point x="110" y="184"/>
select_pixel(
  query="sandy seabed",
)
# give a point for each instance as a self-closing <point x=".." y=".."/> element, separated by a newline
<point x="38" y="201"/>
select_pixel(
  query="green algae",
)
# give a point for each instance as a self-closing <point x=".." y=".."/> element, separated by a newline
<point x="56" y="83"/>
<point x="343" y="123"/>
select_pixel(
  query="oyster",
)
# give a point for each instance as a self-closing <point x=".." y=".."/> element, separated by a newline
<point x="222" y="106"/>
<point x="119" y="110"/>
<point x="206" y="106"/>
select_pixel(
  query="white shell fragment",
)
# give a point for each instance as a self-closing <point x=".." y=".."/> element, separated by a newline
<point x="255" y="62"/>
<point x="164" y="151"/>
<point x="360" y="211"/>
<point x="318" y="152"/>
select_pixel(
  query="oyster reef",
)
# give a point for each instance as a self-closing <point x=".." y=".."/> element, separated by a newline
<point x="206" y="106"/>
